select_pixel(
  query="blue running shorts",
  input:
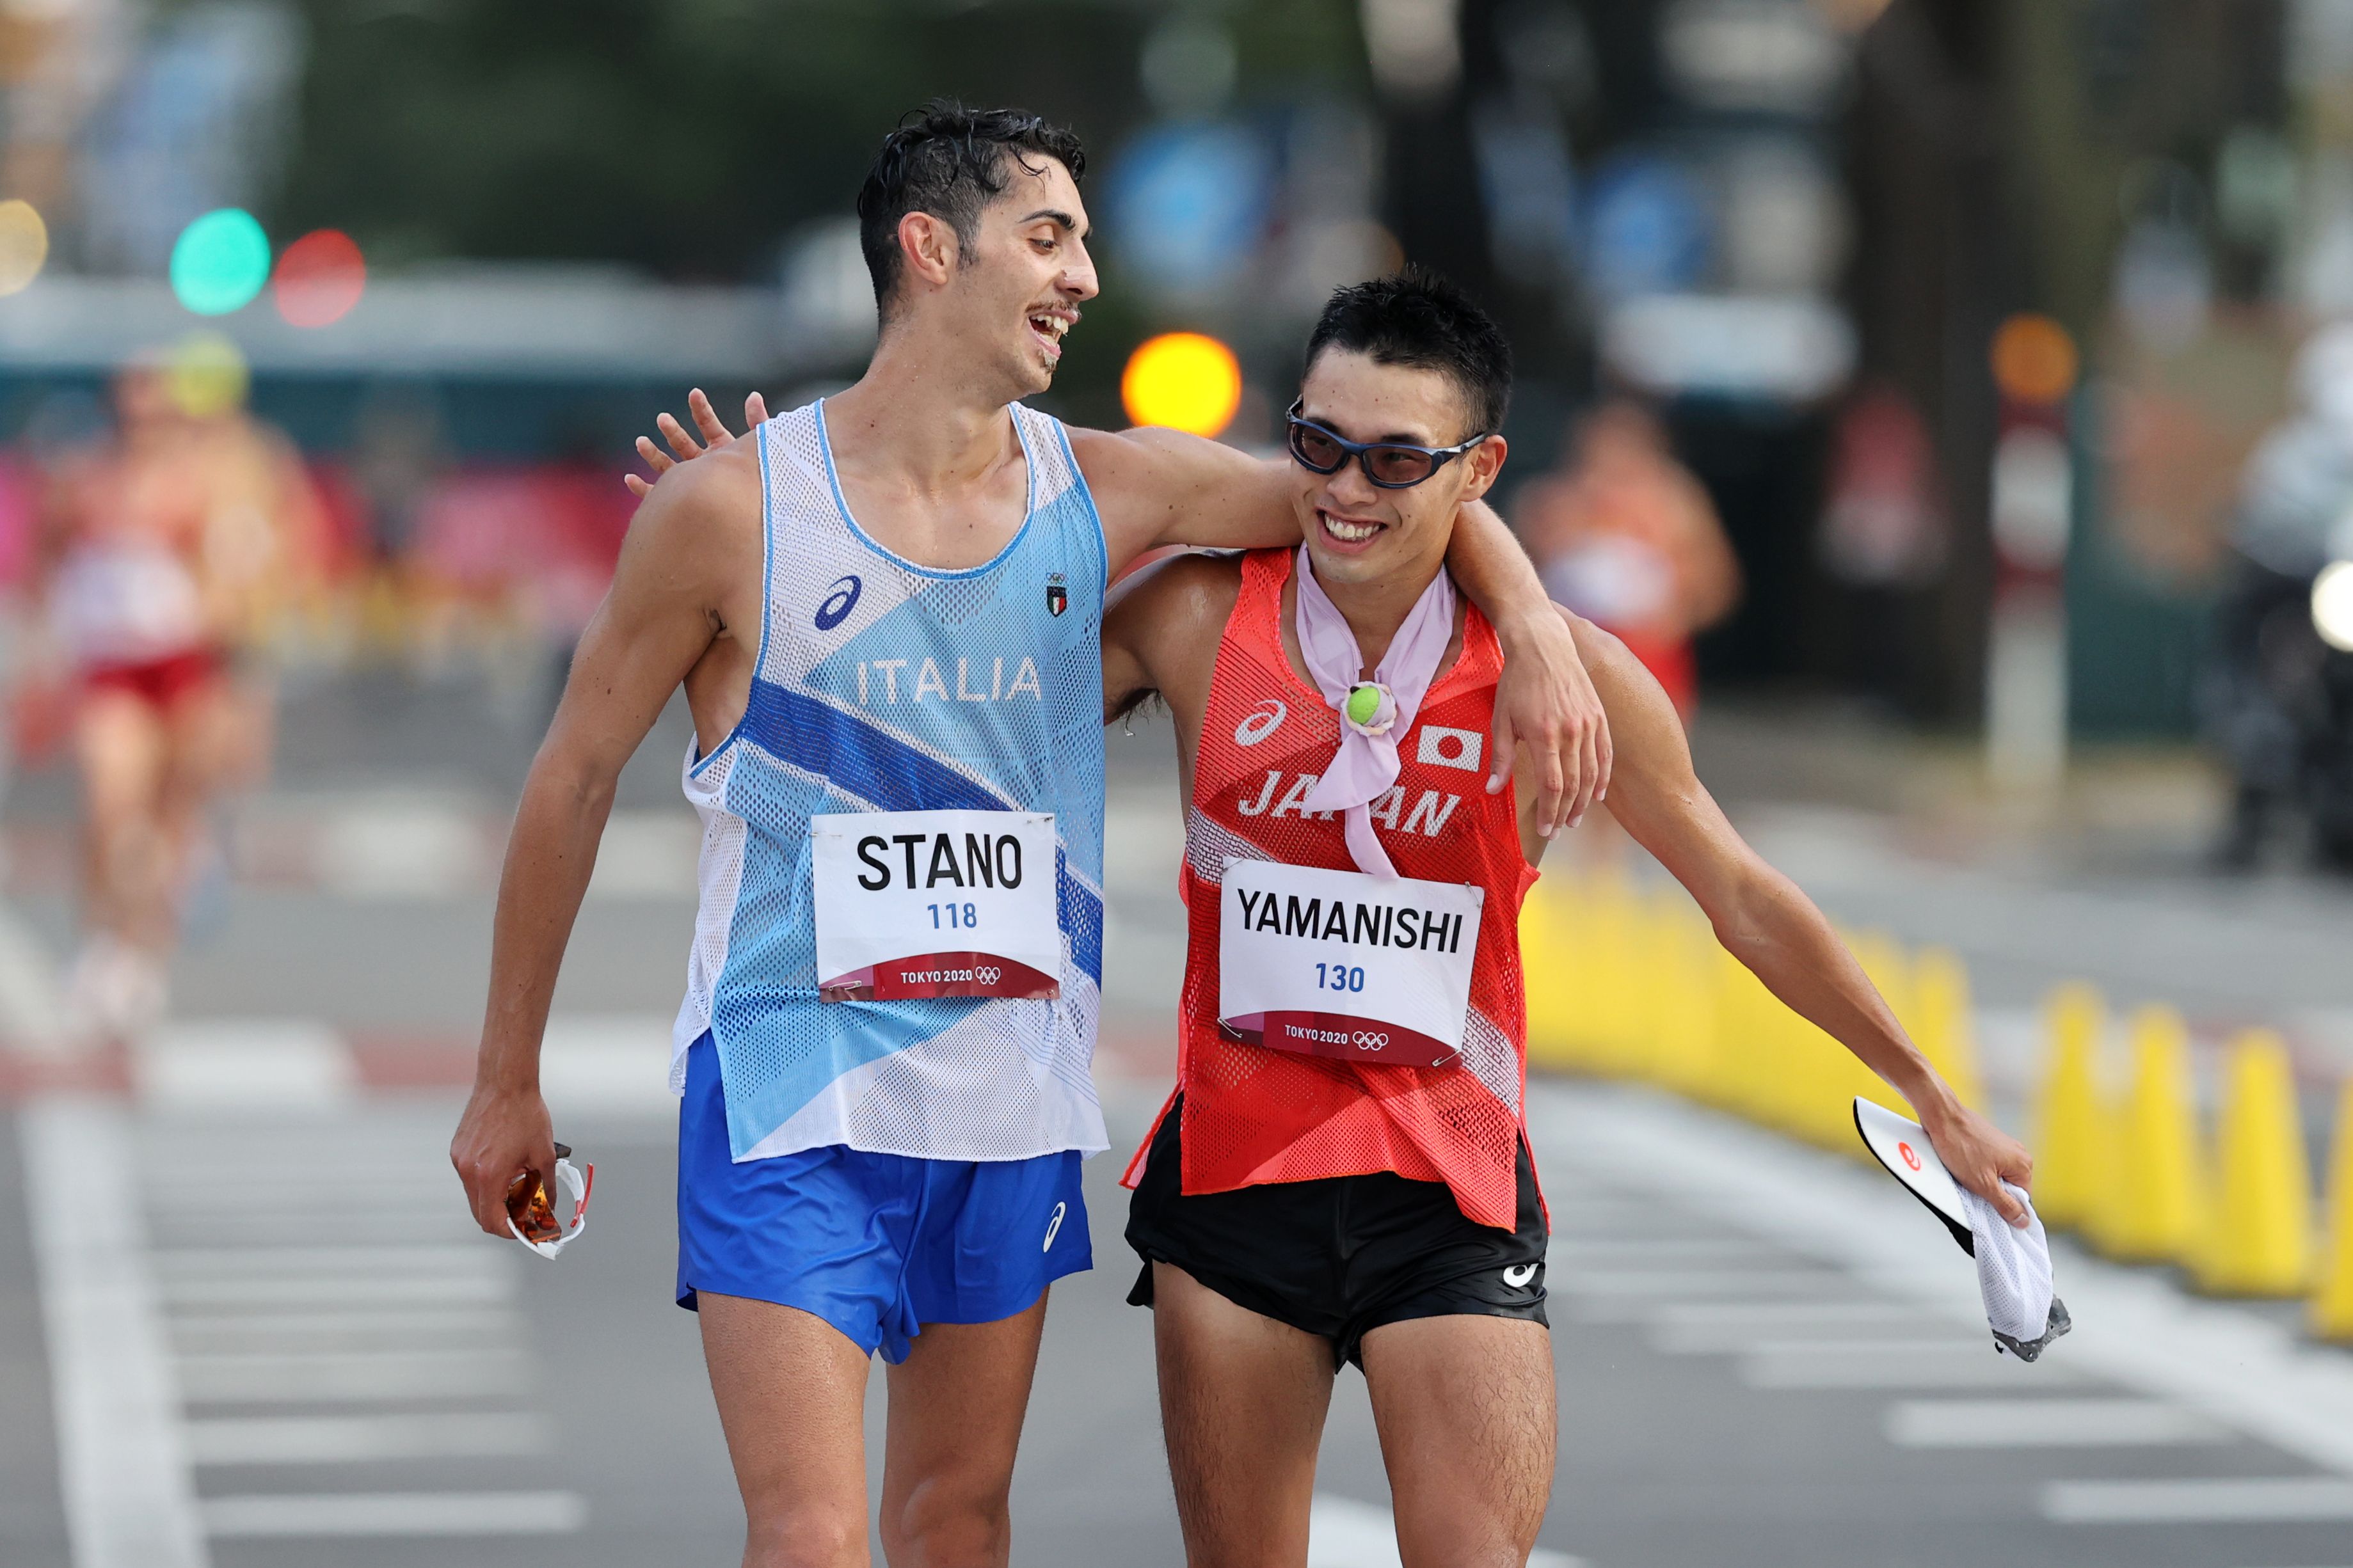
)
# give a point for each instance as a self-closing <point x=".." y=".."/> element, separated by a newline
<point x="876" y="1245"/>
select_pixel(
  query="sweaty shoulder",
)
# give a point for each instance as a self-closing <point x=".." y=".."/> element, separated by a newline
<point x="707" y="508"/>
<point x="1184" y="599"/>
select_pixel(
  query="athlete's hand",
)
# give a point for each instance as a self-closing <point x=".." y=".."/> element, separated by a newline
<point x="503" y="1133"/>
<point x="1980" y="1155"/>
<point x="706" y="419"/>
<point x="1546" y="702"/>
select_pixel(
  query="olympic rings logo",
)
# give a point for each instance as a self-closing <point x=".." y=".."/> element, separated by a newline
<point x="1370" y="1039"/>
<point x="987" y="973"/>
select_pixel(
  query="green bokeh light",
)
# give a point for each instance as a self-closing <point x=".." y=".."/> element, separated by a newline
<point x="220" y="262"/>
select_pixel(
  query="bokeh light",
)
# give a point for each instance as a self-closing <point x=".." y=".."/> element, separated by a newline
<point x="220" y="262"/>
<point x="2034" y="360"/>
<point x="1185" y="381"/>
<point x="320" y="278"/>
<point x="24" y="246"/>
<point x="205" y="374"/>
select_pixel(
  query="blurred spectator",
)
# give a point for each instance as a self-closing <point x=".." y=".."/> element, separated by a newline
<point x="167" y="554"/>
<point x="1626" y="537"/>
<point x="1882" y="525"/>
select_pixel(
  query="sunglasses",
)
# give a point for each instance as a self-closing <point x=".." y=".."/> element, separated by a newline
<point x="532" y="1215"/>
<point x="1391" y="464"/>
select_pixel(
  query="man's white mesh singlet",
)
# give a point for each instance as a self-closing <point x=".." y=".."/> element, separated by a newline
<point x="886" y="686"/>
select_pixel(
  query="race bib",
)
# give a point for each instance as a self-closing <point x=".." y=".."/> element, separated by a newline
<point x="936" y="903"/>
<point x="1338" y="963"/>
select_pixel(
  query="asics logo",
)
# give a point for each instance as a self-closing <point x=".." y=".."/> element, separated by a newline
<point x="1371" y="1040"/>
<point x="839" y="603"/>
<point x="1261" y="722"/>
<point x="1054" y="1224"/>
<point x="989" y="975"/>
<point x="1518" y="1277"/>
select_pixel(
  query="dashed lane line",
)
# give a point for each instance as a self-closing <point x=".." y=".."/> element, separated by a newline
<point x="129" y="1497"/>
<point x="2047" y="1423"/>
<point x="2260" y="1500"/>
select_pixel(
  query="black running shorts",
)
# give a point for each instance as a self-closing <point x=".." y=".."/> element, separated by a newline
<point x="1341" y="1256"/>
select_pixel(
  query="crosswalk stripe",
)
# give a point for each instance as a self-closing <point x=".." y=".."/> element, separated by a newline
<point x="2233" y="1499"/>
<point x="333" y="1289"/>
<point x="1932" y="1365"/>
<point x="350" y="1439"/>
<point x="129" y="1500"/>
<point x="2047" y="1423"/>
<point x="327" y="1377"/>
<point x="1345" y="1533"/>
<point x="344" y="1514"/>
<point x="266" y="1330"/>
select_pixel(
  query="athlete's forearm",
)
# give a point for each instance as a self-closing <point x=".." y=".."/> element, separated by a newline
<point x="1488" y="564"/>
<point x="1775" y="930"/>
<point x="551" y="853"/>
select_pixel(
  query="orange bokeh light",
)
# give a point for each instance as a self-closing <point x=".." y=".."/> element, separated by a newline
<point x="2034" y="360"/>
<point x="320" y="278"/>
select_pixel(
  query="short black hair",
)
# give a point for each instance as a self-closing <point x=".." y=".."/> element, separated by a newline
<point x="1424" y="320"/>
<point x="949" y="161"/>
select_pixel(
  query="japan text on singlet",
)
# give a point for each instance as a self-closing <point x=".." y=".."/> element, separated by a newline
<point x="886" y="687"/>
<point x="1253" y="1114"/>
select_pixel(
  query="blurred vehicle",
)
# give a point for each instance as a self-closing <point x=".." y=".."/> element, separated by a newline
<point x="1626" y="537"/>
<point x="2278" y="697"/>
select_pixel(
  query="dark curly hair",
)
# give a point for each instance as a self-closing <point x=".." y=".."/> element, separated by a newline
<point x="949" y="161"/>
<point x="1423" y="319"/>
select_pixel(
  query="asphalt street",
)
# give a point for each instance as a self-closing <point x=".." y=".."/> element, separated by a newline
<point x="245" y="1321"/>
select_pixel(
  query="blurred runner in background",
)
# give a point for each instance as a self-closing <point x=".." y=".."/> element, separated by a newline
<point x="1623" y="535"/>
<point x="168" y="550"/>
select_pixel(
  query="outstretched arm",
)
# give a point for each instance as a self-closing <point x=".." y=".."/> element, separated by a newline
<point x="654" y="624"/>
<point x="1763" y="921"/>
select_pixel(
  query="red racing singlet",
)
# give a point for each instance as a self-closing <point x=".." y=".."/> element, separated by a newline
<point x="1256" y="1115"/>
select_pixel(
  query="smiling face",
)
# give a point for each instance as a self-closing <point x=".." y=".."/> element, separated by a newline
<point x="1356" y="531"/>
<point x="1006" y="300"/>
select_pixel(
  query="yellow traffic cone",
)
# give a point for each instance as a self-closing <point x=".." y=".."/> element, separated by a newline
<point x="2152" y="1206"/>
<point x="2259" y="1234"/>
<point x="1943" y="1026"/>
<point x="1544" y="972"/>
<point x="2069" y="1115"/>
<point x="2332" y="1303"/>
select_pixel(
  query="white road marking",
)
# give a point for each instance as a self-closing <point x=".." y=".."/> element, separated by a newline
<point x="1345" y="1533"/>
<point x="2260" y="1500"/>
<point x="334" y="1289"/>
<point x="1653" y="1283"/>
<point x="1930" y="1364"/>
<point x="2046" y="1423"/>
<point x="129" y="1500"/>
<point x="278" y="1064"/>
<point x="1635" y="1250"/>
<point x="2235" y="1365"/>
<point x="1828" y="1338"/>
<point x="459" y="1260"/>
<point x="346" y="1514"/>
<point x="355" y="1439"/>
<point x="308" y="1330"/>
<point x="331" y="1377"/>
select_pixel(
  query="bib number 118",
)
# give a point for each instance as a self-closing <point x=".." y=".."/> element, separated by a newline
<point x="1339" y="977"/>
<point x="959" y="917"/>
